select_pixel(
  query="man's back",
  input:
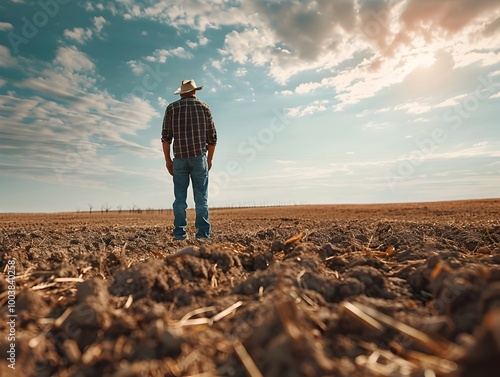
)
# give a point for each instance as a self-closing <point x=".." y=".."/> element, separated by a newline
<point x="189" y="122"/>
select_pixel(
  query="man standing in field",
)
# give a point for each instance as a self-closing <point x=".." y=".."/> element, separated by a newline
<point x="189" y="123"/>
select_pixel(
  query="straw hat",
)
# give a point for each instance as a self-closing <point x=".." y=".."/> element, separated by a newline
<point x="187" y="86"/>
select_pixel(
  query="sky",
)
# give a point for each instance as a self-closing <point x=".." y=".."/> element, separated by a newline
<point x="315" y="102"/>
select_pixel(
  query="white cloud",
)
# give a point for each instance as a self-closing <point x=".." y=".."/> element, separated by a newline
<point x="199" y="16"/>
<point x="252" y="46"/>
<point x="481" y="144"/>
<point x="308" y="87"/>
<point x="376" y="126"/>
<point x="301" y="111"/>
<point x="203" y="41"/>
<point x="137" y="67"/>
<point x="414" y="108"/>
<point x="362" y="46"/>
<point x="482" y="149"/>
<point x="78" y="34"/>
<point x="74" y="60"/>
<point x="383" y="110"/>
<point x="99" y="23"/>
<point x="6" y="59"/>
<point x="421" y="120"/>
<point x="240" y="72"/>
<point x="451" y="101"/>
<point x="191" y="44"/>
<point x="82" y="35"/>
<point x="388" y="37"/>
<point x="217" y="64"/>
<point x="446" y="155"/>
<point x="321" y="102"/>
<point x="71" y="127"/>
<point x="161" y="55"/>
<point x="5" y="26"/>
<point x="162" y="102"/>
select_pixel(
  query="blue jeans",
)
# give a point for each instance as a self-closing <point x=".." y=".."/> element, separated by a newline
<point x="196" y="169"/>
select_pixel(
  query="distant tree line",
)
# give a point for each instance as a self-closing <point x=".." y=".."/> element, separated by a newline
<point x="105" y="208"/>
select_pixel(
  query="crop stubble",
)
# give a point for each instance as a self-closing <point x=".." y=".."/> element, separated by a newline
<point x="399" y="289"/>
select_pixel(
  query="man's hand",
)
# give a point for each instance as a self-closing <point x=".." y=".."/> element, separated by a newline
<point x="170" y="167"/>
<point x="210" y="155"/>
<point x="168" y="159"/>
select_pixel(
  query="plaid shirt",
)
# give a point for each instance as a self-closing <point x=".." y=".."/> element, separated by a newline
<point x="188" y="121"/>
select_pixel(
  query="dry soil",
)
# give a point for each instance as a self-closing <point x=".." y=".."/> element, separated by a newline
<point x="365" y="290"/>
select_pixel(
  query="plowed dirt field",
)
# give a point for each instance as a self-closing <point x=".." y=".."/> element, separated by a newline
<point x="373" y="290"/>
